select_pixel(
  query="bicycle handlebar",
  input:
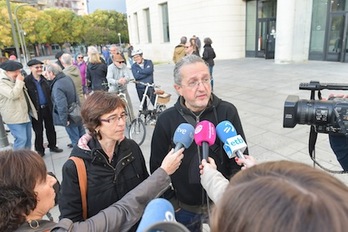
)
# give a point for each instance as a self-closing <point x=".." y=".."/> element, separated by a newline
<point x="146" y="84"/>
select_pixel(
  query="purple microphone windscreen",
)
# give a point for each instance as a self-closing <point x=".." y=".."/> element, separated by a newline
<point x="183" y="136"/>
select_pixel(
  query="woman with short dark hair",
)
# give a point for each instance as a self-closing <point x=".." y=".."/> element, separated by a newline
<point x="115" y="164"/>
<point x="27" y="194"/>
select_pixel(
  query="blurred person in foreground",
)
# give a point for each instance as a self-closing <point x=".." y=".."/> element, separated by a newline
<point x="282" y="196"/>
<point x="115" y="164"/>
<point x="213" y="181"/>
<point x="195" y="103"/>
<point x="16" y="108"/>
<point x="27" y="194"/>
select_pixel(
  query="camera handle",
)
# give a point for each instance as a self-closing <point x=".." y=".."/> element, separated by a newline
<point x="313" y="135"/>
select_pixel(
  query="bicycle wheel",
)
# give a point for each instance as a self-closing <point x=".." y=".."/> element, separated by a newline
<point x="128" y="121"/>
<point x="137" y="131"/>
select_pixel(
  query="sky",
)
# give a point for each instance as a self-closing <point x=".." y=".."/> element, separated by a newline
<point x="118" y="5"/>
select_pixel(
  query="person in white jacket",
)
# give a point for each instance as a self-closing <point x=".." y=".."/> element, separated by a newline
<point x="118" y="77"/>
<point x="16" y="108"/>
<point x="213" y="181"/>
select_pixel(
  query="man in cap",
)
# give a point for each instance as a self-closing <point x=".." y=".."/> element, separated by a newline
<point x="142" y="70"/>
<point x="40" y="95"/>
<point x="15" y="104"/>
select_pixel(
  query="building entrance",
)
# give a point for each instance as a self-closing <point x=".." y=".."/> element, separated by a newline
<point x="266" y="34"/>
<point x="336" y="43"/>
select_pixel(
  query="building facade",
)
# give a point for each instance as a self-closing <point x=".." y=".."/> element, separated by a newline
<point x="283" y="30"/>
<point x="80" y="7"/>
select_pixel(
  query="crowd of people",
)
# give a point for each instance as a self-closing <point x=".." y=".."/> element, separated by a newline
<point x="228" y="194"/>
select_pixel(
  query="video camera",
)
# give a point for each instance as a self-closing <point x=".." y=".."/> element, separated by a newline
<point x="330" y="116"/>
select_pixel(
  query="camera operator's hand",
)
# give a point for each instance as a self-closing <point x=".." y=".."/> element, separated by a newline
<point x="331" y="96"/>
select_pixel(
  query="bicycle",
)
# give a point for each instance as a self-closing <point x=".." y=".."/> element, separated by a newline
<point x="137" y="130"/>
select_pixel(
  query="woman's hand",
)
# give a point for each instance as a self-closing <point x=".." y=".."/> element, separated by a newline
<point x="172" y="161"/>
<point x="248" y="162"/>
<point x="205" y="165"/>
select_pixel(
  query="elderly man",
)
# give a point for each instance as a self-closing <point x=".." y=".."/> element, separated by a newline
<point x="74" y="73"/>
<point x="114" y="50"/>
<point x="63" y="94"/>
<point x="15" y="104"/>
<point x="196" y="102"/>
<point x="40" y="94"/>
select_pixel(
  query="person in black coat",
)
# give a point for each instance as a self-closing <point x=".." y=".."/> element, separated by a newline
<point x="209" y="56"/>
<point x="96" y="71"/>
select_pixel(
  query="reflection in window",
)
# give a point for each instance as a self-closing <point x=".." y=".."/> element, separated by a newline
<point x="267" y="8"/>
<point x="338" y="5"/>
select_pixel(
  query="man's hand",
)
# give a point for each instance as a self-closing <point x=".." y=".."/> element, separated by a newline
<point x="122" y="81"/>
<point x="20" y="77"/>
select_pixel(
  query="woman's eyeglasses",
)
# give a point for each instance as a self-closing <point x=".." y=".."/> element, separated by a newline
<point x="80" y="57"/>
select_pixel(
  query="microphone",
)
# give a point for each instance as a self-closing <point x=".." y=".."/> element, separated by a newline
<point x="205" y="136"/>
<point x="234" y="144"/>
<point x="158" y="210"/>
<point x="183" y="136"/>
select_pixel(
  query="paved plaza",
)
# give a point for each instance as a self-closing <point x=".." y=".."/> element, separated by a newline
<point x="258" y="88"/>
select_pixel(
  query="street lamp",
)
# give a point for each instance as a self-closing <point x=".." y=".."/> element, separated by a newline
<point x="22" y="33"/>
<point x="18" y="29"/>
<point x="119" y="37"/>
<point x="12" y="27"/>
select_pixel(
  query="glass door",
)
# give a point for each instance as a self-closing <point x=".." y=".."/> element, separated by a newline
<point x="266" y="34"/>
<point x="336" y="45"/>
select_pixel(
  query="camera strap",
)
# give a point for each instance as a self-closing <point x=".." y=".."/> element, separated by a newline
<point x="313" y="135"/>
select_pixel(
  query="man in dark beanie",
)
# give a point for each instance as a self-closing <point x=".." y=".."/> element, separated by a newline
<point x="15" y="104"/>
<point x="40" y="94"/>
<point x="58" y="57"/>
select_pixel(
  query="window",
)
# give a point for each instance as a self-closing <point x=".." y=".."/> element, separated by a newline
<point x="148" y="24"/>
<point x="136" y="27"/>
<point x="165" y="22"/>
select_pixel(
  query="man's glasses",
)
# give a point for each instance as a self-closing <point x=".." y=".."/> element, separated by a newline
<point x="120" y="62"/>
<point x="115" y="119"/>
<point x="38" y="67"/>
<point x="196" y="83"/>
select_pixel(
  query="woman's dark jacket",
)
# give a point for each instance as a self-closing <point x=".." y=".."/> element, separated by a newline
<point x="209" y="54"/>
<point x="96" y="76"/>
<point x="107" y="182"/>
